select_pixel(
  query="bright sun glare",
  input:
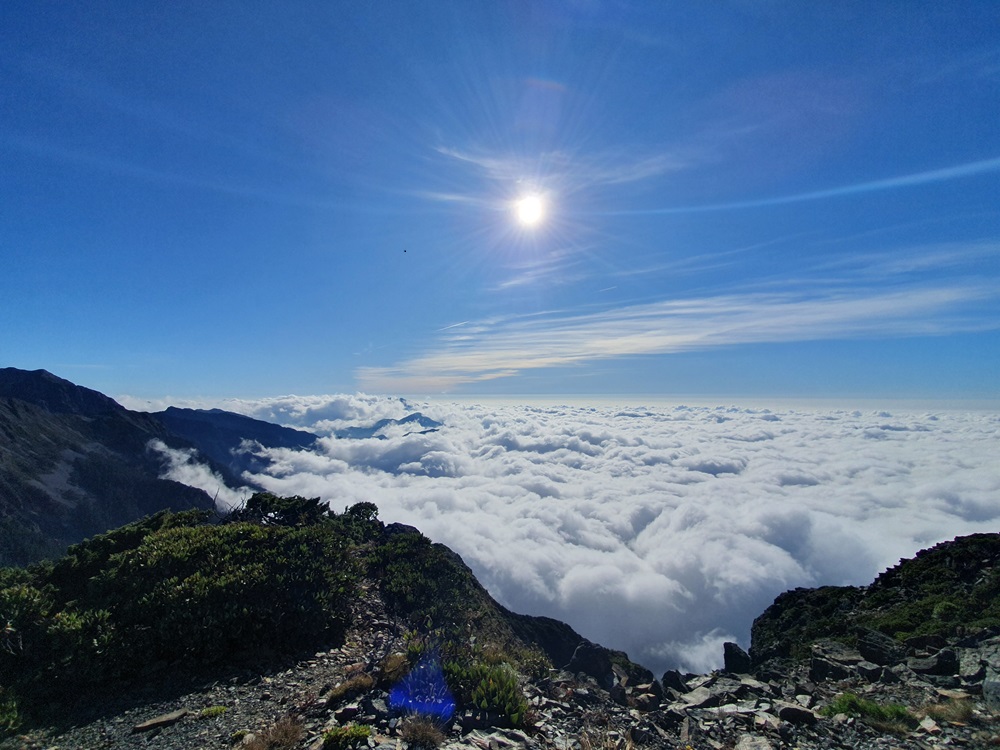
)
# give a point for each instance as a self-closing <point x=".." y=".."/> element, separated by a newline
<point x="530" y="210"/>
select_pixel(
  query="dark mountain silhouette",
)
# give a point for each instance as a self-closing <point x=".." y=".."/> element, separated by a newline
<point x="230" y="439"/>
<point x="74" y="463"/>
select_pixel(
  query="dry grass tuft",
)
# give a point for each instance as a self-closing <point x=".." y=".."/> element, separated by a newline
<point x="419" y="731"/>
<point x="351" y="689"/>
<point x="284" y="735"/>
<point x="393" y="668"/>
<point x="954" y="711"/>
<point x="605" y="739"/>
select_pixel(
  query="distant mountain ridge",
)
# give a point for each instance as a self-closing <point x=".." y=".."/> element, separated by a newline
<point x="74" y="463"/>
<point x="42" y="388"/>
<point x="220" y="434"/>
<point x="373" y="431"/>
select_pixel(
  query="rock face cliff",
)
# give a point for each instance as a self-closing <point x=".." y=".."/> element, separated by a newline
<point x="74" y="463"/>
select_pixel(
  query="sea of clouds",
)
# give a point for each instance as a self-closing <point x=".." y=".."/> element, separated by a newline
<point x="661" y="530"/>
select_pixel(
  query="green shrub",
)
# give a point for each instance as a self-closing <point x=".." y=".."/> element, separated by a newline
<point x="889" y="717"/>
<point x="211" y="712"/>
<point x="10" y="715"/>
<point x="492" y="688"/>
<point x="175" y="590"/>
<point x="343" y="738"/>
<point x="421" y="580"/>
<point x="203" y="594"/>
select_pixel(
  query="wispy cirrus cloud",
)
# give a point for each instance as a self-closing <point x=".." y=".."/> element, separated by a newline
<point x="945" y="174"/>
<point x="581" y="171"/>
<point x="507" y="347"/>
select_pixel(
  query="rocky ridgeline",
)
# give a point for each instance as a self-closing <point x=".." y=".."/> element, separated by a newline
<point x="950" y="686"/>
<point x="822" y="672"/>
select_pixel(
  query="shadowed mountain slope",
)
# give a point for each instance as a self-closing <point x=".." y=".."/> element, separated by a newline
<point x="74" y="463"/>
<point x="229" y="438"/>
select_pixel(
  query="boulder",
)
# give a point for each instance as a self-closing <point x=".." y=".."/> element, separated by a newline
<point x="821" y="669"/>
<point x="869" y="671"/>
<point x="592" y="660"/>
<point x="737" y="661"/>
<point x="918" y="642"/>
<point x="832" y="661"/>
<point x="944" y="662"/>
<point x="675" y="680"/>
<point x="619" y="695"/>
<point x="159" y="722"/>
<point x="991" y="688"/>
<point x="650" y="687"/>
<point x="879" y="648"/>
<point x="701" y="697"/>
<point x="795" y="714"/>
<point x="646" y="702"/>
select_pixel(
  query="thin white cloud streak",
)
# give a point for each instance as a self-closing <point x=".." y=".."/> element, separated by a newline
<point x="571" y="171"/>
<point x="510" y="347"/>
<point x="689" y="520"/>
<point x="958" y="171"/>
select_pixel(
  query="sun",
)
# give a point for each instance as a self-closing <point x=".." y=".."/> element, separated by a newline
<point x="530" y="210"/>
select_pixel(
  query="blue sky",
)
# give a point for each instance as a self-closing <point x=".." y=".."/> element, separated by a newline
<point x="740" y="199"/>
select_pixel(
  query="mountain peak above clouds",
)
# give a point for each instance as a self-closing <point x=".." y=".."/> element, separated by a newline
<point x="55" y="394"/>
<point x="378" y="430"/>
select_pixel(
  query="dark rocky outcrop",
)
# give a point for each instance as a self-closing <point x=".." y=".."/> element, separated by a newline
<point x="735" y="659"/>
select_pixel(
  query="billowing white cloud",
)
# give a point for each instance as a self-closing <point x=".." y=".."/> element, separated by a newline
<point x="185" y="466"/>
<point x="661" y="530"/>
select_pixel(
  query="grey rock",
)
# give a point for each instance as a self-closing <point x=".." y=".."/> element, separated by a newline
<point x="592" y="660"/>
<point x="164" y="720"/>
<point x="646" y="702"/>
<point x="753" y="742"/>
<point x="821" y="669"/>
<point x="991" y="688"/>
<point x="971" y="665"/>
<point x="673" y="679"/>
<point x="835" y="651"/>
<point x="944" y="662"/>
<point x="701" y="697"/>
<point x="879" y="648"/>
<point x="795" y="714"/>
<point x="869" y="671"/>
<point x="347" y="713"/>
<point x="737" y="661"/>
<point x="933" y="642"/>
<point x="618" y="695"/>
<point x="650" y="687"/>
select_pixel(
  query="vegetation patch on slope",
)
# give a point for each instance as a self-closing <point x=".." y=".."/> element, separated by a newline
<point x="947" y="590"/>
<point x="188" y="594"/>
